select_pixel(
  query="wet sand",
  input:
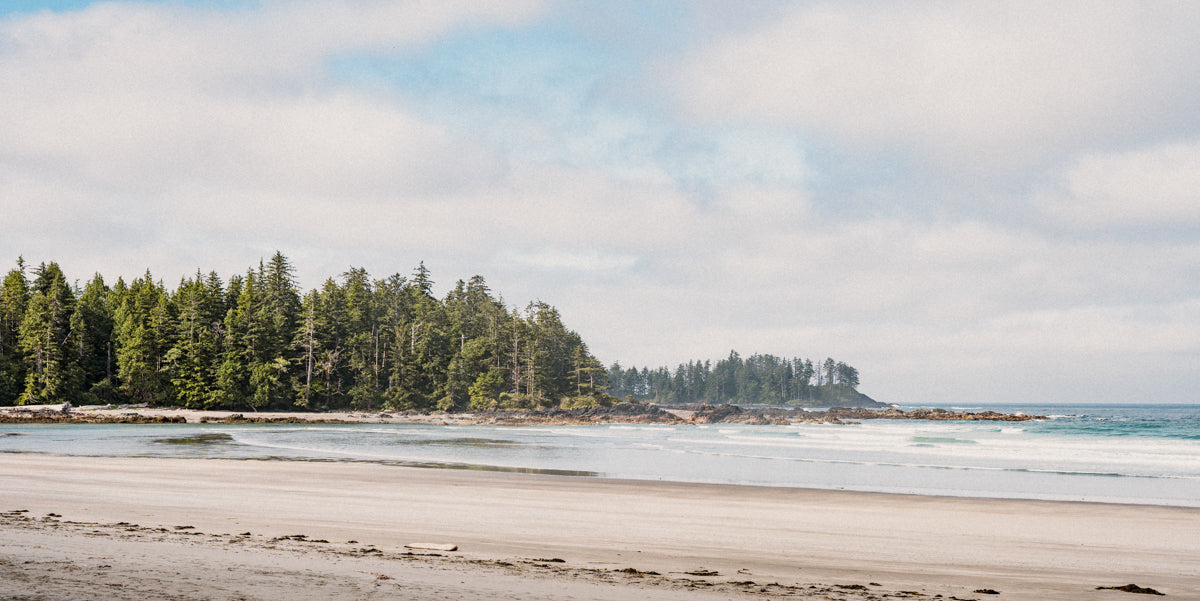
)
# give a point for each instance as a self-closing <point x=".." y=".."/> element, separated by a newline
<point x="125" y="528"/>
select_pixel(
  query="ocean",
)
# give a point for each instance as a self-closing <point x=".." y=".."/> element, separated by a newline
<point x="1141" y="454"/>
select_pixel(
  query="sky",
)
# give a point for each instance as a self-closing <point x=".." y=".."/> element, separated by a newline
<point x="970" y="202"/>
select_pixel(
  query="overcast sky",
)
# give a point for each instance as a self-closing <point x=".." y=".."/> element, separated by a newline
<point x="970" y="202"/>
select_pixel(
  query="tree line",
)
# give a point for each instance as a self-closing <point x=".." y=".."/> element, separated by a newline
<point x="756" y="380"/>
<point x="258" y="342"/>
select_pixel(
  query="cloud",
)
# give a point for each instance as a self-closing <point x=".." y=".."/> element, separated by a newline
<point x="173" y="137"/>
<point x="143" y="96"/>
<point x="980" y="86"/>
<point x="957" y="311"/>
<point x="143" y="125"/>
<point x="550" y="259"/>
<point x="1157" y="186"/>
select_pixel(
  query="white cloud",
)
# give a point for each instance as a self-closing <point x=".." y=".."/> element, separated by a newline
<point x="138" y="96"/>
<point x="146" y="135"/>
<point x="165" y="136"/>
<point x="985" y="86"/>
<point x="1158" y="186"/>
<point x="933" y="313"/>
<point x="554" y="260"/>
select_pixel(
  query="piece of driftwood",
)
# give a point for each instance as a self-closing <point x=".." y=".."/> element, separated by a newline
<point x="432" y="546"/>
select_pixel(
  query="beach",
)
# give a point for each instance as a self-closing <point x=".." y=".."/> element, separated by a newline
<point x="193" y="529"/>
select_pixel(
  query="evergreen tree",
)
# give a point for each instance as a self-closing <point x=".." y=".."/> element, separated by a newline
<point x="92" y="324"/>
<point x="847" y="377"/>
<point x="194" y="358"/>
<point x="14" y="298"/>
<point x="272" y="372"/>
<point x="52" y="371"/>
<point x="362" y="340"/>
<point x="145" y="329"/>
<point x="258" y="343"/>
<point x="306" y="341"/>
<point x="233" y="374"/>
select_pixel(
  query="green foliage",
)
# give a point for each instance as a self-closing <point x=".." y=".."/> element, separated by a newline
<point x="590" y="400"/>
<point x="258" y="343"/>
<point x="52" y="373"/>
<point x="755" y="380"/>
<point x="14" y="297"/>
<point x="144" y="324"/>
<point x="485" y="391"/>
<point x="92" y="324"/>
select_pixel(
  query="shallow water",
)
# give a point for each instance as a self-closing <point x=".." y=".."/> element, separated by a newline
<point x="1129" y="454"/>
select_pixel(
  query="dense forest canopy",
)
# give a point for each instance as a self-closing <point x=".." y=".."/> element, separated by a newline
<point x="257" y="342"/>
<point x="755" y="380"/>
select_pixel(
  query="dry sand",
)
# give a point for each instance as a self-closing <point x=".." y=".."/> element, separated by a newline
<point x="126" y="528"/>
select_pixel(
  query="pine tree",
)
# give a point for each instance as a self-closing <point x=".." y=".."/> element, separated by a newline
<point x="233" y="374"/>
<point x="92" y="323"/>
<point x="258" y="344"/>
<point x="194" y="357"/>
<point x="306" y="341"/>
<point x="14" y="298"/>
<point x="52" y="371"/>
<point x="270" y="335"/>
<point x="145" y="330"/>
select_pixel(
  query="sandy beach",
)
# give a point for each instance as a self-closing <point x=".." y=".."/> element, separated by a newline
<point x="128" y="528"/>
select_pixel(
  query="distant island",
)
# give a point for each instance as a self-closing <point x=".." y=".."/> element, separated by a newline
<point x="756" y="380"/>
<point x="256" y="343"/>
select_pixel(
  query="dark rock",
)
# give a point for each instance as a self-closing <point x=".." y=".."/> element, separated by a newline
<point x="1131" y="588"/>
<point x="845" y="413"/>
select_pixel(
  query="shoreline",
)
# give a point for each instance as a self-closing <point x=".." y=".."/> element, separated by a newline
<point x="600" y="528"/>
<point x="598" y="476"/>
<point x="617" y="414"/>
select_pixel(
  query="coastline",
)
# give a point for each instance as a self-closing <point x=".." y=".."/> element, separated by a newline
<point x="632" y="413"/>
<point x="783" y="541"/>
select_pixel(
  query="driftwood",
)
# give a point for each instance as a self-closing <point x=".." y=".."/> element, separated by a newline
<point x="432" y="546"/>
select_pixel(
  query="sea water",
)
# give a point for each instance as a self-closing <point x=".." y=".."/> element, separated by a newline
<point x="1145" y="454"/>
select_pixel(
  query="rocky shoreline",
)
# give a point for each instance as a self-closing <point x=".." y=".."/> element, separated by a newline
<point x="624" y="413"/>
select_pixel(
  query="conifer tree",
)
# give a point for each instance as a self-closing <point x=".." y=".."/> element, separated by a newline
<point x="14" y="297"/>
<point x="144" y="327"/>
<point x="52" y="371"/>
<point x="258" y="344"/>
<point x="194" y="357"/>
<point x="92" y="324"/>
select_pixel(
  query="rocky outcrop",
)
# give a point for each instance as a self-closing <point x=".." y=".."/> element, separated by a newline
<point x="844" y="413"/>
<point x="623" y="413"/>
<point x="1131" y="588"/>
<point x="732" y="414"/>
<point x="43" y="416"/>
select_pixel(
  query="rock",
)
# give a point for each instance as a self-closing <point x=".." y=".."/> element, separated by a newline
<point x="1131" y="588"/>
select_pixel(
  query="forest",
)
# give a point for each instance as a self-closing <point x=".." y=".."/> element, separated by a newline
<point x="257" y="342"/>
<point x="756" y="380"/>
